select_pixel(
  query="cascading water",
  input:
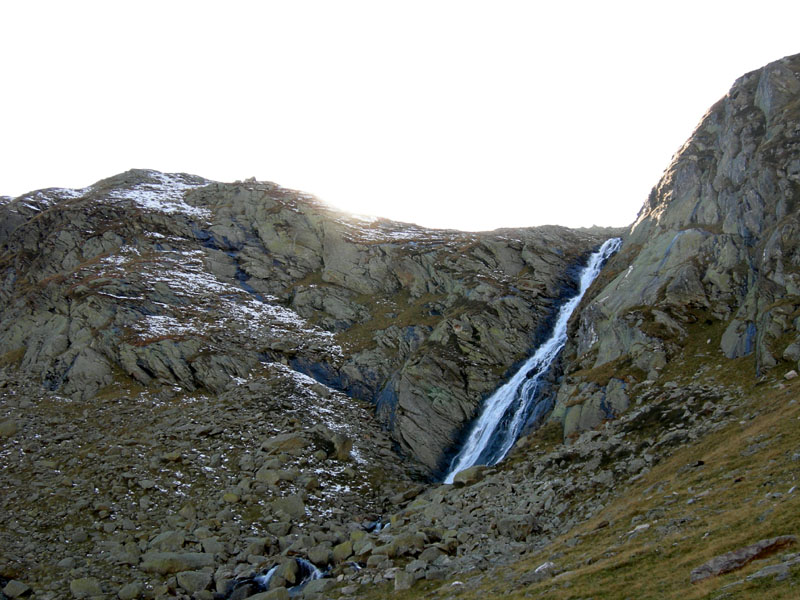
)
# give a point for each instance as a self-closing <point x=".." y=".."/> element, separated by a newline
<point x="306" y="573"/>
<point x="263" y="580"/>
<point x="518" y="401"/>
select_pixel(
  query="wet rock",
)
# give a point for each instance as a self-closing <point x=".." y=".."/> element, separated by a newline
<point x="244" y="590"/>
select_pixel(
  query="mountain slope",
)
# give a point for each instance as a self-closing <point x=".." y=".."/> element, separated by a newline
<point x="173" y="280"/>
<point x="677" y="407"/>
<point x="181" y="451"/>
<point x="710" y="265"/>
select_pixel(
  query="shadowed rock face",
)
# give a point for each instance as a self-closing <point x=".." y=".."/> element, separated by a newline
<point x="716" y="244"/>
<point x="175" y="281"/>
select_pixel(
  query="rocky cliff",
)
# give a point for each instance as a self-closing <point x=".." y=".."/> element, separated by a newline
<point x="186" y="284"/>
<point x="711" y="264"/>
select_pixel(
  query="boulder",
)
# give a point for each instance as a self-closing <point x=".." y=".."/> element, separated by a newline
<point x="517" y="527"/>
<point x="166" y="563"/>
<point x="341" y="552"/>
<point x="85" y="587"/>
<point x="730" y="561"/>
<point x="403" y="580"/>
<point x="16" y="589"/>
<point x="469" y="476"/>
<point x="130" y="591"/>
<point x="194" y="581"/>
<point x="8" y="428"/>
<point x="279" y="593"/>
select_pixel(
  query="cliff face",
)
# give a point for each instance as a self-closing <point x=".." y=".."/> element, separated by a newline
<point x="712" y="254"/>
<point x="184" y="284"/>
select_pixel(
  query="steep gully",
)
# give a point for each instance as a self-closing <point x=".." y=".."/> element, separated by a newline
<point x="519" y="401"/>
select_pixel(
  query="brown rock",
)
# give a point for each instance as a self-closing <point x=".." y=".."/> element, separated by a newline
<point x="725" y="563"/>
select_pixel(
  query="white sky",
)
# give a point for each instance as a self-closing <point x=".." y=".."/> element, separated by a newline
<point x="471" y="115"/>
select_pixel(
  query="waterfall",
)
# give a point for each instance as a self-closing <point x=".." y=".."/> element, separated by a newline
<point x="517" y="402"/>
<point x="306" y="573"/>
<point x="263" y="580"/>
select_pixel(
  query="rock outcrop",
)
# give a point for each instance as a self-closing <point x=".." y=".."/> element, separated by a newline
<point x="176" y="281"/>
<point x="713" y="254"/>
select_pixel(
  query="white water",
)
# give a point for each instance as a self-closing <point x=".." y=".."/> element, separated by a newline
<point x="307" y="570"/>
<point x="263" y="580"/>
<point x="517" y="402"/>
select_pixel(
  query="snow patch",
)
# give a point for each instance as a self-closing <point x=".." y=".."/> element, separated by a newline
<point x="165" y="195"/>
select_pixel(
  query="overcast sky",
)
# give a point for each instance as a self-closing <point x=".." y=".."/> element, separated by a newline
<point x="471" y="115"/>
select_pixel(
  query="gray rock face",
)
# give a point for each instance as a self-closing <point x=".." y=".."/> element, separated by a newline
<point x="715" y="244"/>
<point x="180" y="283"/>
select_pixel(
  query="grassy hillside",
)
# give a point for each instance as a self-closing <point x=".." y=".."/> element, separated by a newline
<point x="728" y="489"/>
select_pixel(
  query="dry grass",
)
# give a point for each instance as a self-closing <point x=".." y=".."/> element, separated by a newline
<point x="12" y="358"/>
<point x="722" y="505"/>
<point x="694" y="511"/>
<point x="400" y="310"/>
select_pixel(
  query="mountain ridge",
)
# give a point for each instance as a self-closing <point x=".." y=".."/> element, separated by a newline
<point x="238" y="377"/>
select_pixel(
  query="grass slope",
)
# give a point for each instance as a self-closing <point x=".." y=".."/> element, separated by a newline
<point x="728" y="489"/>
